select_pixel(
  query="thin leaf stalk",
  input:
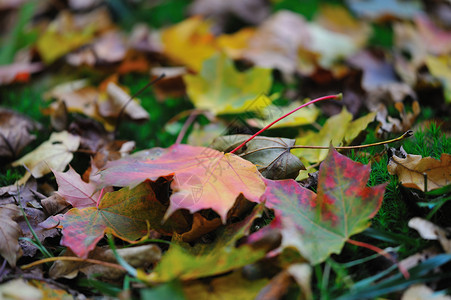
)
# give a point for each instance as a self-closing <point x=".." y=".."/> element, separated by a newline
<point x="72" y="258"/>
<point x="330" y="97"/>
<point x="404" y="272"/>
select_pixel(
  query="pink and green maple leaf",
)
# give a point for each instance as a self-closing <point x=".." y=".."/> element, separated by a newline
<point x="319" y="224"/>
<point x="125" y="213"/>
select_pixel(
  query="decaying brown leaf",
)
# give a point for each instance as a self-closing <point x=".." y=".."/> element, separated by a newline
<point x="138" y="257"/>
<point x="10" y="233"/>
<point x="430" y="231"/>
<point x="394" y="125"/>
<point x="422" y="292"/>
<point x="19" y="289"/>
<point x="417" y="172"/>
<point x="15" y="132"/>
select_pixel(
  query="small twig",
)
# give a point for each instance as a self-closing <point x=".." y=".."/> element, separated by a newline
<point x="121" y="112"/>
<point x="404" y="136"/>
<point x="404" y="272"/>
<point x="71" y="258"/>
<point x="330" y="97"/>
<point x="187" y="124"/>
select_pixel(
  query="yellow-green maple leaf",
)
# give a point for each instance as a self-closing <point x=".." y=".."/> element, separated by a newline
<point x="222" y="89"/>
<point x="337" y="130"/>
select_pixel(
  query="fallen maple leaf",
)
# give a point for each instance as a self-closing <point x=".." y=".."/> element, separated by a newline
<point x="272" y="156"/>
<point x="53" y="154"/>
<point x="9" y="234"/>
<point x="125" y="213"/>
<point x="413" y="169"/>
<point x="76" y="192"/>
<point x="319" y="224"/>
<point x="220" y="88"/>
<point x="202" y="177"/>
<point x="184" y="262"/>
<point x="192" y="37"/>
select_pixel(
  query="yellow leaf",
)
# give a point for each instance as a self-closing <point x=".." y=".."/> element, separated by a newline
<point x="234" y="44"/>
<point x="55" y="154"/>
<point x="337" y="129"/>
<point x="189" y="42"/>
<point x="270" y="113"/>
<point x="220" y="88"/>
<point x="411" y="170"/>
<point x="61" y="37"/>
<point x="441" y="68"/>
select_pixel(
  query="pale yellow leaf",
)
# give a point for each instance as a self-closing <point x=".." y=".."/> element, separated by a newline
<point x="55" y="154"/>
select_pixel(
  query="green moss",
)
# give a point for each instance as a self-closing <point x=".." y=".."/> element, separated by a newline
<point x="9" y="176"/>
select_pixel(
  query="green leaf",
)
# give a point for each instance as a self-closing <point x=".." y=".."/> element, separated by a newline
<point x="184" y="262"/>
<point x="124" y="213"/>
<point x="319" y="224"/>
<point x="233" y="286"/>
<point x="220" y="88"/>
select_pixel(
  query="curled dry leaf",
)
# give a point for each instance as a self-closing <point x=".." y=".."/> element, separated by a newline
<point x="19" y="289"/>
<point x="394" y="125"/>
<point x="54" y="154"/>
<point x="422" y="292"/>
<point x="15" y="132"/>
<point x="137" y="257"/>
<point x="430" y="231"/>
<point x="24" y="193"/>
<point x="272" y="156"/>
<point x="34" y="216"/>
<point x="417" y="172"/>
<point x="9" y="233"/>
<point x="18" y="72"/>
<point x="117" y="98"/>
<point x="109" y="48"/>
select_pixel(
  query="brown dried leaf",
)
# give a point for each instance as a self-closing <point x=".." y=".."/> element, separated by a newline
<point x="430" y="231"/>
<point x="137" y="257"/>
<point x="15" y="132"/>
<point x="413" y="170"/>
<point x="10" y="233"/>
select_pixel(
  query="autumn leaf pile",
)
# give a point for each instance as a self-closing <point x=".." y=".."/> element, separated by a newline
<point x="86" y="210"/>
